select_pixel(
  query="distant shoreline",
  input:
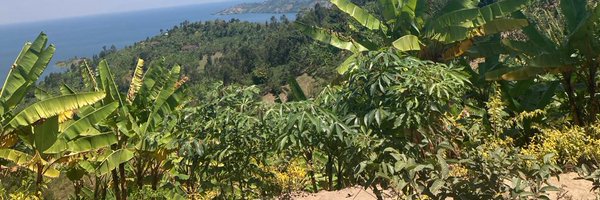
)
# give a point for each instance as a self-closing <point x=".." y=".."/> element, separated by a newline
<point x="273" y="7"/>
<point x="86" y="36"/>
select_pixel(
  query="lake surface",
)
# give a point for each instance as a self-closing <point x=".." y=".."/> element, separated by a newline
<point x="85" y="36"/>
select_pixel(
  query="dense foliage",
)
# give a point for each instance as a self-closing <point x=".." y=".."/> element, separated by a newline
<point x="233" y="52"/>
<point x="465" y="100"/>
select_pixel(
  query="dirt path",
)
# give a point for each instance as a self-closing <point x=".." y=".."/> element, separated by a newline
<point x="572" y="189"/>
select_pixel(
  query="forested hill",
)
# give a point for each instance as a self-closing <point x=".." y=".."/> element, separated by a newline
<point x="234" y="52"/>
<point x="274" y="6"/>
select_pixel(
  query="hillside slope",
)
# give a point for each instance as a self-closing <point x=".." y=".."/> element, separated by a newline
<point x="273" y="6"/>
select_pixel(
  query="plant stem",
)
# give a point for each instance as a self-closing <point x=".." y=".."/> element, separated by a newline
<point x="115" y="181"/>
<point x="593" y="103"/>
<point x="39" y="179"/>
<point x="577" y="115"/>
<point x="330" y="171"/>
<point x="309" y="161"/>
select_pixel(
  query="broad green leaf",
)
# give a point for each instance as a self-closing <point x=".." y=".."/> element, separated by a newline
<point x="451" y="34"/>
<point x="390" y="9"/>
<point x="585" y="36"/>
<point x="28" y="67"/>
<point x="24" y="160"/>
<point x="65" y="89"/>
<point x="574" y="12"/>
<point x="454" y="5"/>
<point x="41" y="94"/>
<point x="362" y="16"/>
<point x="408" y="43"/>
<point x="165" y="92"/>
<point x="465" y="18"/>
<point x="501" y="25"/>
<point x="87" y="74"/>
<point x="497" y="74"/>
<point x="521" y="47"/>
<point x="17" y="157"/>
<point x="436" y="186"/>
<point x="345" y="66"/>
<point x="52" y="107"/>
<point x="136" y="81"/>
<point x="45" y="134"/>
<point x="175" y="195"/>
<point x="524" y="73"/>
<point x="537" y="39"/>
<point x="113" y="160"/>
<point x="108" y="82"/>
<point x="552" y="60"/>
<point x="330" y="38"/>
<point x="411" y="15"/>
<point x="59" y="146"/>
<point x="297" y="91"/>
<point x="85" y="123"/>
<point x="91" y="143"/>
<point x="502" y="9"/>
<point x="472" y="17"/>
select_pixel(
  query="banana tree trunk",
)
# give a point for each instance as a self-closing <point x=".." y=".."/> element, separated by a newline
<point x="116" y="188"/>
<point x="155" y="176"/>
<point x="139" y="173"/>
<point x="104" y="188"/>
<point x="340" y="174"/>
<point x="96" y="187"/>
<point x="593" y="104"/>
<point x="311" y="171"/>
<point x="330" y="171"/>
<point x="39" y="179"/>
<point x="577" y="115"/>
<point x="123" y="182"/>
<point x="77" y="185"/>
<point x="377" y="192"/>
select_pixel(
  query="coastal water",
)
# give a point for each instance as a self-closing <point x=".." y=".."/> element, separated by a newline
<point x="86" y="36"/>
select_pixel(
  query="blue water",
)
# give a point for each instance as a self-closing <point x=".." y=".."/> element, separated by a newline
<point x="85" y="36"/>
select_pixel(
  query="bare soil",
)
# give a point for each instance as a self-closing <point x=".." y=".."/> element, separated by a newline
<point x="570" y="189"/>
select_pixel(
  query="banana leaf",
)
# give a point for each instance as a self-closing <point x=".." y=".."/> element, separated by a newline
<point x="136" y="81"/>
<point x="362" y="16"/>
<point x="52" y="107"/>
<point x="113" y="160"/>
<point x="329" y="38"/>
<point x="408" y="43"/>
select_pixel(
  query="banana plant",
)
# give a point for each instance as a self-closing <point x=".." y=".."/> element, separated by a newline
<point x="408" y="26"/>
<point x="142" y="123"/>
<point x="28" y="132"/>
<point x="574" y="56"/>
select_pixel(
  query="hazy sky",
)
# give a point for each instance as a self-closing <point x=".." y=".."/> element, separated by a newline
<point x="16" y="11"/>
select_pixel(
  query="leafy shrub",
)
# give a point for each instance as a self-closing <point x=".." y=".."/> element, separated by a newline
<point x="290" y="177"/>
<point x="502" y="172"/>
<point x="572" y="145"/>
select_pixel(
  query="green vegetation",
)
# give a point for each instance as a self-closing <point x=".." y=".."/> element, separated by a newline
<point x="273" y="6"/>
<point x="453" y="99"/>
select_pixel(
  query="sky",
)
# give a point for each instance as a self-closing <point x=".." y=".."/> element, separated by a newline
<point x="19" y="11"/>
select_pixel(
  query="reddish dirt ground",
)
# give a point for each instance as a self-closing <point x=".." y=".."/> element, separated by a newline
<point x="571" y="189"/>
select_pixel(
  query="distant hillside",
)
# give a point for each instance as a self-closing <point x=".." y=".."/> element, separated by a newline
<point x="273" y="6"/>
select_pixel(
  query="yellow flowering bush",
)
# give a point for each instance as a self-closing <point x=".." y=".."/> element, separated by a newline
<point x="492" y="144"/>
<point x="570" y="144"/>
<point x="211" y="194"/>
<point x="293" y="178"/>
<point x="24" y="196"/>
<point x="501" y="120"/>
<point x="458" y="171"/>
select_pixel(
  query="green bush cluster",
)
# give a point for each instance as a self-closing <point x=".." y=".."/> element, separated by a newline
<point x="415" y="111"/>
